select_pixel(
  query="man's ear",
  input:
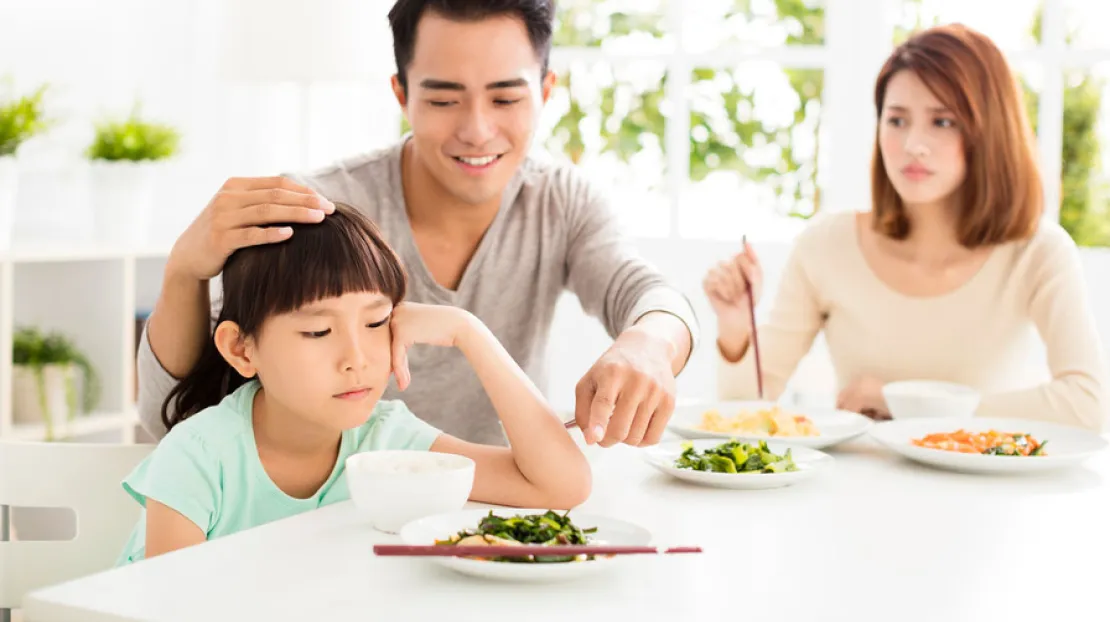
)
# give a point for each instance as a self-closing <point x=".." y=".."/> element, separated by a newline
<point x="549" y="81"/>
<point x="399" y="91"/>
<point x="235" y="348"/>
<point x="402" y="97"/>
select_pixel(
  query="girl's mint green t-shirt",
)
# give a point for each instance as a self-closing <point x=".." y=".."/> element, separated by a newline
<point x="207" y="468"/>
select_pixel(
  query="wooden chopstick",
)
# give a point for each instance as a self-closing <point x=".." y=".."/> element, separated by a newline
<point x="409" y="550"/>
<point x="755" y="336"/>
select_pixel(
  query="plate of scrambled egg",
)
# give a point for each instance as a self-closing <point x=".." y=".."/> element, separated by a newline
<point x="806" y="427"/>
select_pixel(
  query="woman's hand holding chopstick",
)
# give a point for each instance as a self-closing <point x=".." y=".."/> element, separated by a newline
<point x="726" y="287"/>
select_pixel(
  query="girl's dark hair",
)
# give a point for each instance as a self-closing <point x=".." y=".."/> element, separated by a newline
<point x="345" y="253"/>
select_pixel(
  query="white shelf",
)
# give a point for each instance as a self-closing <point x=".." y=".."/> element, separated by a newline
<point x="90" y="293"/>
<point x="56" y="252"/>
<point x="84" y="425"/>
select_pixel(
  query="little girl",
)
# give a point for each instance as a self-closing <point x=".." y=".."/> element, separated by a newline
<point x="289" y="387"/>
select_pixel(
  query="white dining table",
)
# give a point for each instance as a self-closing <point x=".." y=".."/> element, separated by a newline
<point x="874" y="537"/>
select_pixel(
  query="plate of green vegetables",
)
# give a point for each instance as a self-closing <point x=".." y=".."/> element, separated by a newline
<point x="510" y="527"/>
<point x="736" y="464"/>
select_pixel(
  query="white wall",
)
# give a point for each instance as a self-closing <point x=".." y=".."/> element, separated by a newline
<point x="100" y="57"/>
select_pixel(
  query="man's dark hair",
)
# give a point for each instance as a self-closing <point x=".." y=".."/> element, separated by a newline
<point x="538" y="17"/>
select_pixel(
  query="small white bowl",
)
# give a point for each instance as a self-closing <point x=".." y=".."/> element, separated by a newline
<point x="913" y="399"/>
<point x="393" y="487"/>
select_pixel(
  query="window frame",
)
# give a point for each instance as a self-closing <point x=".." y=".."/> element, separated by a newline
<point x="858" y="38"/>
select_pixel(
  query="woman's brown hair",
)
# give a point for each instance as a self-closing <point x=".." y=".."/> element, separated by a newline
<point x="1001" y="197"/>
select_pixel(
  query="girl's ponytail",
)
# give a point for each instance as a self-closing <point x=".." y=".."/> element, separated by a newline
<point x="210" y="380"/>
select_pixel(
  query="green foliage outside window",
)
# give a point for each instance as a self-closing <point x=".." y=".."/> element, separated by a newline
<point x="714" y="145"/>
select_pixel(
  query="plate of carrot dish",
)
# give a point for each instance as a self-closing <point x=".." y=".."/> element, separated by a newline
<point x="988" y="442"/>
<point x="986" y="445"/>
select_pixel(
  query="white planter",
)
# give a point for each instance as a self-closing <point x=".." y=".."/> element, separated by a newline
<point x="121" y="194"/>
<point x="50" y="396"/>
<point x="9" y="176"/>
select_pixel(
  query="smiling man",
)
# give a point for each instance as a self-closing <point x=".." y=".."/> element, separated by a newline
<point x="478" y="224"/>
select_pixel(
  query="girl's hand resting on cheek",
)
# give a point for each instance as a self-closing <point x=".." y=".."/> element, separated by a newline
<point x="435" y="325"/>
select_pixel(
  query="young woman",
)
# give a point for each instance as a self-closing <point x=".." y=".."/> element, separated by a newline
<point x="953" y="275"/>
<point x="290" y="384"/>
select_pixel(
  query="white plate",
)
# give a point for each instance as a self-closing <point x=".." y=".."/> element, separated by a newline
<point x="609" y="530"/>
<point x="835" y="426"/>
<point x="1064" y="446"/>
<point x="809" y="461"/>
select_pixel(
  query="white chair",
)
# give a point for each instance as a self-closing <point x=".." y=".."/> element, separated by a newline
<point x="84" y="477"/>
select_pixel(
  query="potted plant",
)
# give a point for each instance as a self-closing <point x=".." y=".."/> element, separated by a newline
<point x="20" y="119"/>
<point x="124" y="157"/>
<point x="52" y="381"/>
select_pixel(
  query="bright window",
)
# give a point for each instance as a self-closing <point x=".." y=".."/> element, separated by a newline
<point x="677" y="109"/>
<point x="711" y="119"/>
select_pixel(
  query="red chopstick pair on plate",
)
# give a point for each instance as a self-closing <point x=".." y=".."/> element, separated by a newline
<point x="431" y="550"/>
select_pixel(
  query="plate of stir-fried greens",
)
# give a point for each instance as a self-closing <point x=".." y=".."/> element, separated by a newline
<point x="506" y="528"/>
<point x="737" y="464"/>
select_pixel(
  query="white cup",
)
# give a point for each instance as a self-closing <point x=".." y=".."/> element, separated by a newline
<point x="911" y="399"/>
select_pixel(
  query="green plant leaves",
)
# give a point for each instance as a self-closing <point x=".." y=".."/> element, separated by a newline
<point x="20" y="120"/>
<point x="35" y="349"/>
<point x="133" y="139"/>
